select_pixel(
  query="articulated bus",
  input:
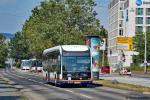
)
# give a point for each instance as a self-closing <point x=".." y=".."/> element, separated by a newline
<point x="36" y="65"/>
<point x="67" y="64"/>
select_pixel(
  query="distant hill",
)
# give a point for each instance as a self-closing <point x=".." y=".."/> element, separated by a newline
<point x="8" y="35"/>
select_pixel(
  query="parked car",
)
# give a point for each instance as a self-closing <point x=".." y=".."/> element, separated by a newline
<point x="105" y="69"/>
<point x="125" y="71"/>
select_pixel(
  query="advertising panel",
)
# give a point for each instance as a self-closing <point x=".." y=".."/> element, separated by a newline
<point x="94" y="43"/>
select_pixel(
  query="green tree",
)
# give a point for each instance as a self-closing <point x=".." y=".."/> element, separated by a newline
<point x="3" y="50"/>
<point x="57" y="22"/>
<point x="19" y="47"/>
<point x="139" y="45"/>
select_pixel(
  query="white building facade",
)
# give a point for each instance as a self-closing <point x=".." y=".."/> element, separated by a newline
<point x="126" y="17"/>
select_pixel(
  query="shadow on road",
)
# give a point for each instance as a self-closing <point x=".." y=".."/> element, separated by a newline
<point x="94" y="85"/>
<point x="10" y="98"/>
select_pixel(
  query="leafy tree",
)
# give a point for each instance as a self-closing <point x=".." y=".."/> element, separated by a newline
<point x="3" y="50"/>
<point x="19" y="47"/>
<point x="139" y="45"/>
<point x="57" y="22"/>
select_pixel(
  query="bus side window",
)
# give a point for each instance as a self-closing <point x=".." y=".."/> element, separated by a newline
<point x="63" y="67"/>
<point x="92" y="60"/>
<point x="58" y="58"/>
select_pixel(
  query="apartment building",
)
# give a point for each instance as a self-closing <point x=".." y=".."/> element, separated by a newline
<point x="126" y="17"/>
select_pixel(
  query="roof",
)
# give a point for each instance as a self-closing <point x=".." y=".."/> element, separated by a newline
<point x="67" y="48"/>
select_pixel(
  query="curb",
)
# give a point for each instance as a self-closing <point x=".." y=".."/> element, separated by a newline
<point x="148" y="93"/>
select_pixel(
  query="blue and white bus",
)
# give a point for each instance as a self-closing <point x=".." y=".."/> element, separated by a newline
<point x="67" y="64"/>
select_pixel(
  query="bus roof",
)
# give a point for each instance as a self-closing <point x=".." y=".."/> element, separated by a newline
<point x="67" y="48"/>
<point x="25" y="60"/>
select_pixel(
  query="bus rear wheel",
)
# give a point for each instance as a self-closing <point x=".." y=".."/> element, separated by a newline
<point x="56" y="84"/>
<point x="84" y="85"/>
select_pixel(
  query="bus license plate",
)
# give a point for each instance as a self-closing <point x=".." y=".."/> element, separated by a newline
<point x="77" y="82"/>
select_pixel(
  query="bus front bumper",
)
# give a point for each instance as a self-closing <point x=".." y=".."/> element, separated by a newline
<point x="74" y="82"/>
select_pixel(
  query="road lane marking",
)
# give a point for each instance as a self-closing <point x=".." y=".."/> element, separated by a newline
<point x="86" y="96"/>
<point x="69" y="91"/>
<point x="41" y="82"/>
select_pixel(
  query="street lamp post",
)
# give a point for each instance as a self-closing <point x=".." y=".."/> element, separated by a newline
<point x="145" y="55"/>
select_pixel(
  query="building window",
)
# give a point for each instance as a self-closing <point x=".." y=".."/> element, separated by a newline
<point x="121" y="23"/>
<point x="121" y="32"/>
<point x="148" y="20"/>
<point x="121" y="15"/>
<point x="139" y="11"/>
<point x="139" y="29"/>
<point x="148" y="11"/>
<point x="148" y="28"/>
<point x="139" y="20"/>
<point x="122" y="6"/>
<point x="126" y="4"/>
<point x="127" y="18"/>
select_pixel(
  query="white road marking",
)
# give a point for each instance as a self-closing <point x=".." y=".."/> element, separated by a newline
<point x="86" y="96"/>
<point x="79" y="94"/>
<point x="41" y="82"/>
<point x="69" y="91"/>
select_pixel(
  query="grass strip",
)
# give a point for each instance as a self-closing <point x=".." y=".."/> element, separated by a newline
<point x="125" y="86"/>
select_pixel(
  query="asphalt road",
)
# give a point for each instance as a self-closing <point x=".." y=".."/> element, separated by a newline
<point x="35" y="88"/>
<point x="8" y="92"/>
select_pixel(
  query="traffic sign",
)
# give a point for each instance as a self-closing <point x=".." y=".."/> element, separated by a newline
<point x="124" y="43"/>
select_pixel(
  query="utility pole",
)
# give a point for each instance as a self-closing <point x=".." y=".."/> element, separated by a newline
<point x="103" y="58"/>
<point x="145" y="57"/>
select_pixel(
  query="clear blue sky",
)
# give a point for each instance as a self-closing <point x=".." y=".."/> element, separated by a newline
<point x="13" y="13"/>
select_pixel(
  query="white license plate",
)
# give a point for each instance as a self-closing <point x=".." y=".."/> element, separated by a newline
<point x="76" y="82"/>
<point x="69" y="78"/>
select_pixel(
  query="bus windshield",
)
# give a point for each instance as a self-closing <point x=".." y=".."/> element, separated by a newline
<point x="39" y="64"/>
<point x="76" y="64"/>
<point x="27" y="63"/>
<point x="36" y="63"/>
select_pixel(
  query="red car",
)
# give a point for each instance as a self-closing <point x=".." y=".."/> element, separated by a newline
<point x="105" y="69"/>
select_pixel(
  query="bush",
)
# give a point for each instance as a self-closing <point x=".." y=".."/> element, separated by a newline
<point x="18" y="65"/>
<point x="136" y="68"/>
<point x="148" y="68"/>
<point x="2" y="65"/>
